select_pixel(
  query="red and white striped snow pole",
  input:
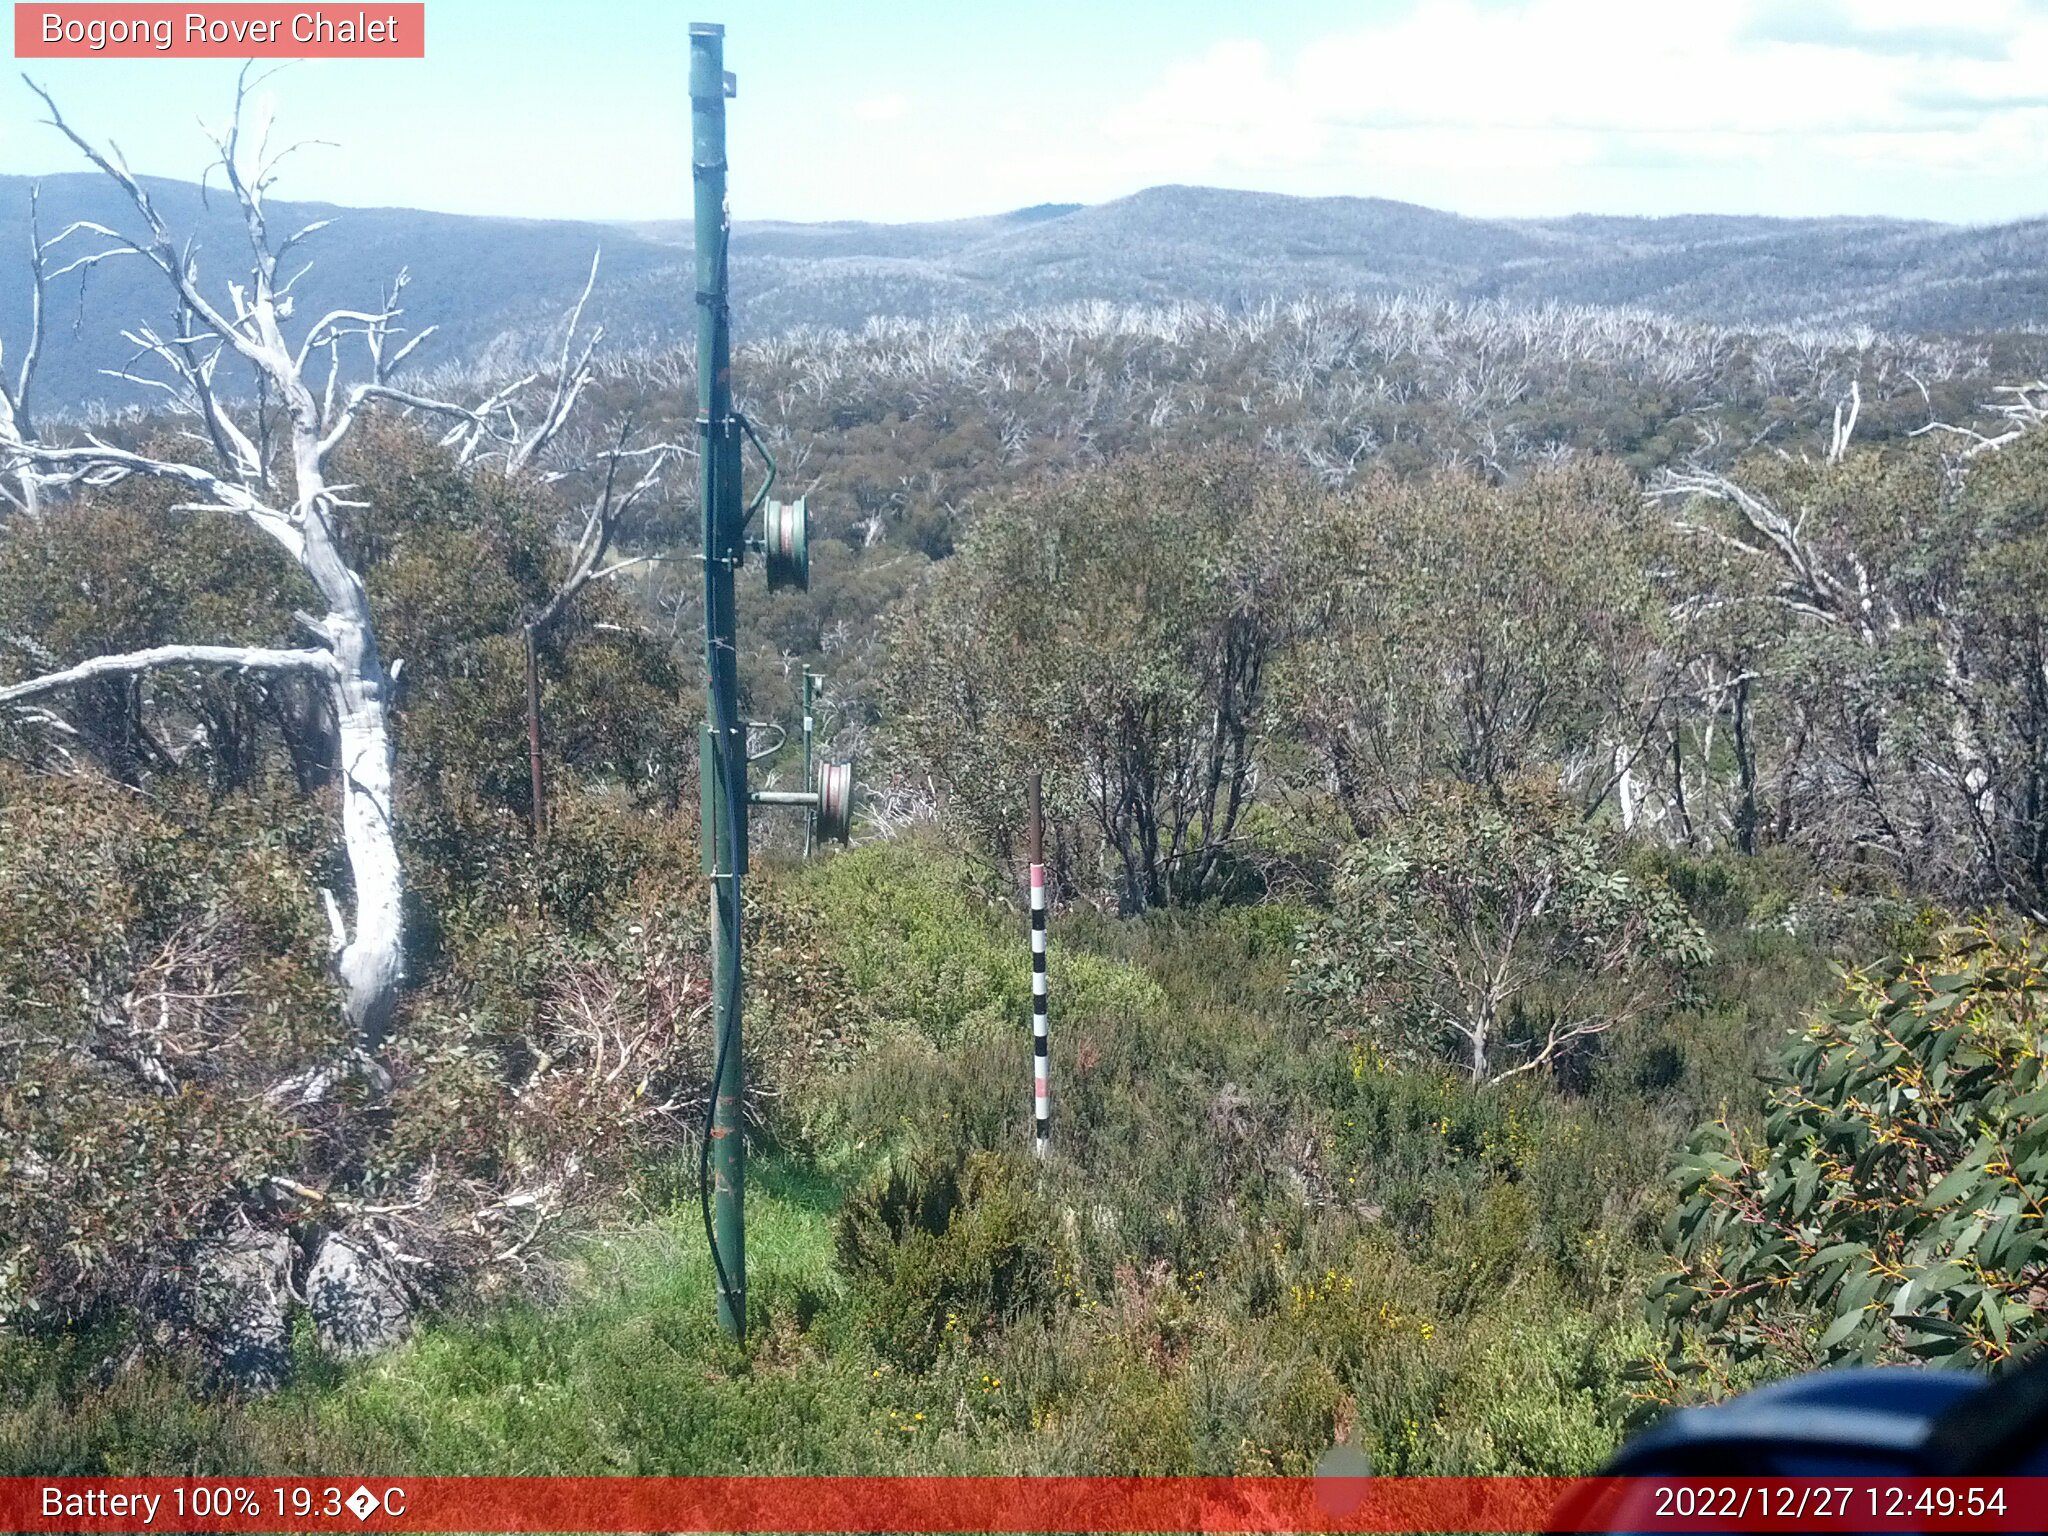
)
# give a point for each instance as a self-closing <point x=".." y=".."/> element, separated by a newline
<point x="1041" y="1063"/>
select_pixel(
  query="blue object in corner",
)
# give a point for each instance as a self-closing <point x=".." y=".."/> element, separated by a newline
<point x="1871" y="1421"/>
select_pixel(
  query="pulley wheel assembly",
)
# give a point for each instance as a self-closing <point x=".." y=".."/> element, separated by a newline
<point x="786" y="544"/>
<point x="835" y="801"/>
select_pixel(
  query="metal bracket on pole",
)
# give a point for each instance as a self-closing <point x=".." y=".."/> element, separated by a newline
<point x="830" y="804"/>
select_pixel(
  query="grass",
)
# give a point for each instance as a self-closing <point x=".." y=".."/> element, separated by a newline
<point x="628" y="1373"/>
<point x="1250" y="1240"/>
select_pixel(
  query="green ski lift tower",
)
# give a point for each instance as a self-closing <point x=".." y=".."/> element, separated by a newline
<point x="784" y="545"/>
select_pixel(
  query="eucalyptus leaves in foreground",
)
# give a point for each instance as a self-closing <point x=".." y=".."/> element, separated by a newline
<point x="1895" y="1207"/>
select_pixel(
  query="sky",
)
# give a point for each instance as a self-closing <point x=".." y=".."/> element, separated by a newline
<point x="911" y="109"/>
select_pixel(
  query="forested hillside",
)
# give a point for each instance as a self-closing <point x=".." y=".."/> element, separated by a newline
<point x="1547" y="830"/>
<point x="491" y="285"/>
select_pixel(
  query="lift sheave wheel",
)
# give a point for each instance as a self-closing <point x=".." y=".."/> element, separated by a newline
<point x="835" y="802"/>
<point x="786" y="543"/>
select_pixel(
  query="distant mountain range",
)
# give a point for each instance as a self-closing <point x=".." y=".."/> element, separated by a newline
<point x="497" y="287"/>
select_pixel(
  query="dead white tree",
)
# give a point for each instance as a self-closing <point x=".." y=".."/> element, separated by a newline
<point x="2023" y="408"/>
<point x="264" y="457"/>
<point x="1835" y="586"/>
<point x="602" y="519"/>
<point x="1825" y="576"/>
<point x="1846" y="412"/>
<point x="15" y="421"/>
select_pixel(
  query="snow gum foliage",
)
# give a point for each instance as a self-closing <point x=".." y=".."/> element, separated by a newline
<point x="1497" y="932"/>
<point x="1891" y="1208"/>
<point x="1478" y="633"/>
<point x="1114" y="630"/>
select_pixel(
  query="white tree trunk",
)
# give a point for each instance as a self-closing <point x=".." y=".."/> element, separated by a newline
<point x="369" y="951"/>
<point x="372" y="963"/>
<point x="1625" y="785"/>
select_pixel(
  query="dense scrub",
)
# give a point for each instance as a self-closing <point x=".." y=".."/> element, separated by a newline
<point x="910" y="432"/>
<point x="168" y="1062"/>
<point x="1254" y="1235"/>
<point x="1442" y="830"/>
<point x="1891" y="1208"/>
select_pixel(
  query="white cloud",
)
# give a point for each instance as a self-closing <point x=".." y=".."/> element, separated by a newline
<point x="888" y="108"/>
<point x="1603" y="102"/>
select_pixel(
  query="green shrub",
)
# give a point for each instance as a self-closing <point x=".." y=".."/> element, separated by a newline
<point x="1492" y="928"/>
<point x="155" y="981"/>
<point x="947" y="1253"/>
<point x="920" y="946"/>
<point x="1891" y="1208"/>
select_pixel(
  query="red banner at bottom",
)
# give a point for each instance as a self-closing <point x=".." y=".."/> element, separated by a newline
<point x="836" y="1504"/>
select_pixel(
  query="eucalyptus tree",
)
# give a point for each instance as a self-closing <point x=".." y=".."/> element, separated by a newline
<point x="1115" y="629"/>
<point x="1908" y="669"/>
<point x="1478" y="633"/>
<point x="1890" y="1209"/>
<point x="264" y="403"/>
<point x="1494" y="929"/>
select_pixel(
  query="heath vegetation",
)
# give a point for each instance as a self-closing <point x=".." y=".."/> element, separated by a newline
<point x="1548" y="832"/>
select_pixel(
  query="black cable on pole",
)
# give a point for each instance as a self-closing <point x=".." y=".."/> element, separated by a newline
<point x="732" y="1015"/>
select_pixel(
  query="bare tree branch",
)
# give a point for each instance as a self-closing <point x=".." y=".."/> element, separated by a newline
<point x="569" y="381"/>
<point x="241" y="658"/>
<point x="1845" y="426"/>
<point x="269" y="465"/>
